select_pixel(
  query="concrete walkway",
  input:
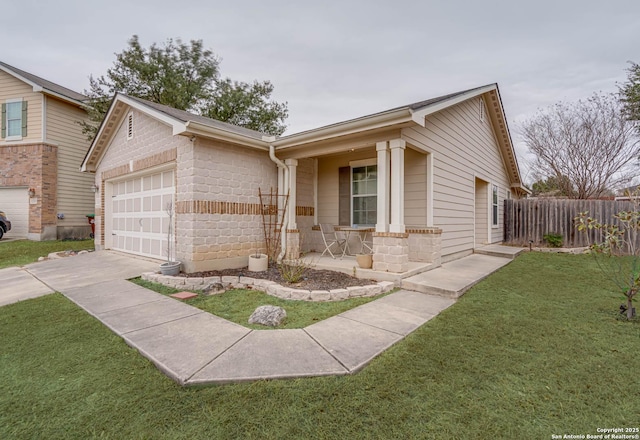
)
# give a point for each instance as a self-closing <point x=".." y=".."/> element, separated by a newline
<point x="194" y="347"/>
<point x="44" y="277"/>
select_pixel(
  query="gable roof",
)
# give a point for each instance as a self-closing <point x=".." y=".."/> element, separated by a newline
<point x="180" y="121"/>
<point x="45" y="86"/>
<point x="415" y="112"/>
<point x="188" y="124"/>
<point x="185" y="117"/>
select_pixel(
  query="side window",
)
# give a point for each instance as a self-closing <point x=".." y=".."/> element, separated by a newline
<point x="494" y="213"/>
<point x="14" y="119"/>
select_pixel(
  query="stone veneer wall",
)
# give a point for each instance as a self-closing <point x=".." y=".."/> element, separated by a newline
<point x="390" y="252"/>
<point x="308" y="239"/>
<point x="218" y="207"/>
<point x="425" y="244"/>
<point x="34" y="166"/>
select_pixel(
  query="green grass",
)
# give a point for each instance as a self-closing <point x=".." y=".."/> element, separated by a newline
<point x="238" y="304"/>
<point x="21" y="252"/>
<point x="534" y="350"/>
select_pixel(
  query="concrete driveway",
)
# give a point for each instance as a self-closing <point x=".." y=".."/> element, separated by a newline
<point x="44" y="277"/>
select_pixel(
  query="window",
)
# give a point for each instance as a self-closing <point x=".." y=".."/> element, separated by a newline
<point x="364" y="195"/>
<point x="494" y="214"/>
<point x="129" y="126"/>
<point x="14" y="119"/>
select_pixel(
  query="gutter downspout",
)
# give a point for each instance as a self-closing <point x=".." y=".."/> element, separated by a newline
<point x="285" y="184"/>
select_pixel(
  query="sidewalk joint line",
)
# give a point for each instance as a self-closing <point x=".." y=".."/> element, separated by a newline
<point x="327" y="351"/>
<point x="220" y="354"/>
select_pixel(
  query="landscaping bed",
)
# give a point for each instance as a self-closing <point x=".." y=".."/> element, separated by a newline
<point x="311" y="279"/>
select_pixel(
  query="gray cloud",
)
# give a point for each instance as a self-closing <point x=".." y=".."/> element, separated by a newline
<point x="335" y="60"/>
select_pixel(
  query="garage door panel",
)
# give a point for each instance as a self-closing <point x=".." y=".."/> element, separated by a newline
<point x="139" y="221"/>
<point x="15" y="204"/>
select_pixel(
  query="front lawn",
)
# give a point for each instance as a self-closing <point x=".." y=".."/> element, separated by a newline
<point x="238" y="304"/>
<point x="21" y="252"/>
<point x="534" y="350"/>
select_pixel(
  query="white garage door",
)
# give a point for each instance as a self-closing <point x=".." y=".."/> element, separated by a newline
<point x="14" y="202"/>
<point x="139" y="219"/>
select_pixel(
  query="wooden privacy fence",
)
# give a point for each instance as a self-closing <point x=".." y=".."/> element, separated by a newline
<point x="532" y="219"/>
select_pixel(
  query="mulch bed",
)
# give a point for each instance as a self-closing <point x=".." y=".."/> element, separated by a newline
<point x="312" y="279"/>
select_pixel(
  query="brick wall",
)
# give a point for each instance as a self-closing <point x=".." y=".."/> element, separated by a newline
<point x="34" y="166"/>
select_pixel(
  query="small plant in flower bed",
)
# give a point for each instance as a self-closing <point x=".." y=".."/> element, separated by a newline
<point x="554" y="240"/>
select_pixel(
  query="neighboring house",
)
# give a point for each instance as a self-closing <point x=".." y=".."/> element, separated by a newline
<point x="42" y="146"/>
<point x="431" y="178"/>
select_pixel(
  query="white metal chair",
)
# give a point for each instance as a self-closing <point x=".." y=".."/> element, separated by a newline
<point x="366" y="242"/>
<point x="330" y="239"/>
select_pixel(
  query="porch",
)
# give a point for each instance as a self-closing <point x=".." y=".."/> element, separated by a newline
<point x="380" y="183"/>
<point x="349" y="266"/>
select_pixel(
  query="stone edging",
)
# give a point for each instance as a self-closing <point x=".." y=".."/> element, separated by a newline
<point x="270" y="287"/>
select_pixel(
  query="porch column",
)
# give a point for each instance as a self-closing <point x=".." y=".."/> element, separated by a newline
<point x="292" y="164"/>
<point x="382" y="224"/>
<point x="397" y="147"/>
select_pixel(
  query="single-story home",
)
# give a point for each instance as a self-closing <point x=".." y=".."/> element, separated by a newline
<point x="42" y="146"/>
<point x="428" y="177"/>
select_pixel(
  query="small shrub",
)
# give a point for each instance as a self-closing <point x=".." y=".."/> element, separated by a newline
<point x="292" y="271"/>
<point x="554" y="240"/>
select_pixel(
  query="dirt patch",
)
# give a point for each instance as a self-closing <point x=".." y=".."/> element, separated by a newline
<point x="312" y="279"/>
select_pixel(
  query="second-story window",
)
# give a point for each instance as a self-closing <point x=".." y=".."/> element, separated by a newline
<point x="14" y="119"/>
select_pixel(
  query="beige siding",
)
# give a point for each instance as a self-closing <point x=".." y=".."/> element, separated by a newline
<point x="463" y="148"/>
<point x="75" y="198"/>
<point x="415" y="188"/>
<point x="12" y="88"/>
<point x="328" y="182"/>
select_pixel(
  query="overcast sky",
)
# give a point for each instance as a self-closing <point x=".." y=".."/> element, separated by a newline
<point x="336" y="60"/>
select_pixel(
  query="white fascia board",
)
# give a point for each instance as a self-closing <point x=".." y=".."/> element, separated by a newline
<point x="174" y="123"/>
<point x="84" y="105"/>
<point x="418" y="116"/>
<point x="191" y="127"/>
<point x="521" y="187"/>
<point x="345" y="128"/>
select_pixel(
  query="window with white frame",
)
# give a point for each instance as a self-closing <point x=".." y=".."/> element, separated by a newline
<point x="14" y="119"/>
<point x="494" y="200"/>
<point x="364" y="193"/>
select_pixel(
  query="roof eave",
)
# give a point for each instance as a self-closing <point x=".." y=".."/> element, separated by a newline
<point x="41" y="89"/>
<point x="372" y="122"/>
<point x="419" y="115"/>
<point x="198" y="129"/>
<point x="38" y="88"/>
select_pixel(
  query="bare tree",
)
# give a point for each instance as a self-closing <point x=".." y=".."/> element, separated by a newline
<point x="589" y="146"/>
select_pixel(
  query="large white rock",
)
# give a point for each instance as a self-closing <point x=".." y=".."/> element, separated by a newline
<point x="268" y="315"/>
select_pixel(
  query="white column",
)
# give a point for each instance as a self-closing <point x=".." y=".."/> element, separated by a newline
<point x="397" y="147"/>
<point x="382" y="224"/>
<point x="292" y="164"/>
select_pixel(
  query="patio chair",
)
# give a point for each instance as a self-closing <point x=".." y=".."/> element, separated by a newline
<point x="366" y="242"/>
<point x="330" y="239"/>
